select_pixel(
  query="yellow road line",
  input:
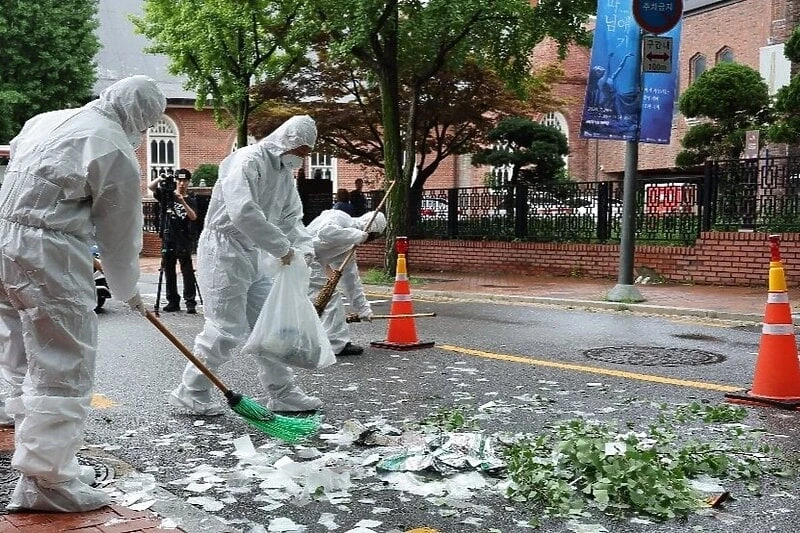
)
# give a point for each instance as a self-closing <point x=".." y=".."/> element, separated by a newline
<point x="102" y="402"/>
<point x="593" y="370"/>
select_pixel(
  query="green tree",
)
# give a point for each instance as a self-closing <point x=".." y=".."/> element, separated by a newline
<point x="534" y="152"/>
<point x="456" y="112"/>
<point x="408" y="43"/>
<point x="225" y="46"/>
<point x="48" y="51"/>
<point x="732" y="98"/>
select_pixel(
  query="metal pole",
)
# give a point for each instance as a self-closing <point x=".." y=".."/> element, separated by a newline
<point x="624" y="290"/>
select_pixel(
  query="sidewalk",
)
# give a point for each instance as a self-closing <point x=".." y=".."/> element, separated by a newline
<point x="111" y="519"/>
<point x="732" y="303"/>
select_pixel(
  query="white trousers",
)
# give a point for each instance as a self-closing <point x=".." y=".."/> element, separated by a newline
<point x="48" y="345"/>
<point x="234" y="285"/>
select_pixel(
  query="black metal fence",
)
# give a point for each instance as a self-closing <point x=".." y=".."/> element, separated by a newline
<point x="753" y="195"/>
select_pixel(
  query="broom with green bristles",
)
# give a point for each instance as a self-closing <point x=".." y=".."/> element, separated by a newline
<point x="286" y="428"/>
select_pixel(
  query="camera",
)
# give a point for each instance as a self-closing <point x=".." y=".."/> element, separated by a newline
<point x="167" y="183"/>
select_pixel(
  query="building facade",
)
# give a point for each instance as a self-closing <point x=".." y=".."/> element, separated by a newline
<point x="750" y="32"/>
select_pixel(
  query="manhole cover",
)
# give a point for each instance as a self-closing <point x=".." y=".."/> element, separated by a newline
<point x="653" y="356"/>
<point x="8" y="476"/>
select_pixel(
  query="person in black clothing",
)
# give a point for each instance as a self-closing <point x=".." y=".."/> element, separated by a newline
<point x="178" y="241"/>
<point x="358" y="200"/>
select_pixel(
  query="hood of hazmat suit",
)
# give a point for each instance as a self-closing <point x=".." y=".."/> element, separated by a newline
<point x="73" y="179"/>
<point x="378" y="225"/>
<point x="255" y="200"/>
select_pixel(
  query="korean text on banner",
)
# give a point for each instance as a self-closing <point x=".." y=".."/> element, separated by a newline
<point x="611" y="109"/>
<point x="660" y="94"/>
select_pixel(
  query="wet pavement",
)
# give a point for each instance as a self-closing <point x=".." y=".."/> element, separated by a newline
<point x="735" y="303"/>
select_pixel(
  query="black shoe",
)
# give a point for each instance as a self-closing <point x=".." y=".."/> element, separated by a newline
<point x="351" y="349"/>
<point x="171" y="308"/>
<point x="191" y="311"/>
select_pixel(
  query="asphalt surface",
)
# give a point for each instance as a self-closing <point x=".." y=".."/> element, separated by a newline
<point x="513" y="366"/>
<point x="513" y="354"/>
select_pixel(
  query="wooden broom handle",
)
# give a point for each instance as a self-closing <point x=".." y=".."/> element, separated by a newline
<point x="186" y="352"/>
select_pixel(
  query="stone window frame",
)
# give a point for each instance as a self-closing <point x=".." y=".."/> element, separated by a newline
<point x="725" y="55"/>
<point x="693" y="67"/>
<point x="163" y="147"/>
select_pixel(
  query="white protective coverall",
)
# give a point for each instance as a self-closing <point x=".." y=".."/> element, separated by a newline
<point x="73" y="179"/>
<point x="334" y="233"/>
<point x="255" y="212"/>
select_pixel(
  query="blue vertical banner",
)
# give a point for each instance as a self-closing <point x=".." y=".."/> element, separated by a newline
<point x="660" y="94"/>
<point x="611" y="109"/>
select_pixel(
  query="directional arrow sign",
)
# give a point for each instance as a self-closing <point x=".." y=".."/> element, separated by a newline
<point x="657" y="54"/>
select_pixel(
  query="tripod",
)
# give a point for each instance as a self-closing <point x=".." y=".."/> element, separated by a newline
<point x="170" y="255"/>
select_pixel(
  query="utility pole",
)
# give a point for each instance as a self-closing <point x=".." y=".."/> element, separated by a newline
<point x="625" y="290"/>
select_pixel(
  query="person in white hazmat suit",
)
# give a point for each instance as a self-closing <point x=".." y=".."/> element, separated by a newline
<point x="334" y="233"/>
<point x="255" y="212"/>
<point x="73" y="179"/>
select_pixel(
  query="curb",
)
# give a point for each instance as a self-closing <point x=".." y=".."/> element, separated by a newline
<point x="640" y="308"/>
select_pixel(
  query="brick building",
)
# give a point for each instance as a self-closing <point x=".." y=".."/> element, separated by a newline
<point x="186" y="137"/>
<point x="750" y="32"/>
<point x="746" y="31"/>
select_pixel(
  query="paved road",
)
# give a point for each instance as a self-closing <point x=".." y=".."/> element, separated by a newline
<point x="511" y="368"/>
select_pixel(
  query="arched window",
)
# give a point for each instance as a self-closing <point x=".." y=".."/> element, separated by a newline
<point x="501" y="175"/>
<point x="697" y="65"/>
<point x="162" y="147"/>
<point x="725" y="55"/>
<point x="557" y="120"/>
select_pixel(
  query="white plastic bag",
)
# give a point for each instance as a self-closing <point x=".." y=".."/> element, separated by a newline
<point x="288" y="329"/>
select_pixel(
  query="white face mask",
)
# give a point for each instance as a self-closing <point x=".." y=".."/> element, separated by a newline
<point x="292" y="161"/>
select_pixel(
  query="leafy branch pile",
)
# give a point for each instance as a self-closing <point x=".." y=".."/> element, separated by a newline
<point x="579" y="464"/>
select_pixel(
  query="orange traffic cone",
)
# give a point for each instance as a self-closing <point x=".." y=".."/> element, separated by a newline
<point x="402" y="332"/>
<point x="777" y="376"/>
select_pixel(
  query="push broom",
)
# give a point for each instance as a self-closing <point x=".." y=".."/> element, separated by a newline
<point x="325" y="294"/>
<point x="286" y="428"/>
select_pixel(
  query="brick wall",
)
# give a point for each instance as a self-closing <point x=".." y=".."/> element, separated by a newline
<point x="200" y="141"/>
<point x="725" y="258"/>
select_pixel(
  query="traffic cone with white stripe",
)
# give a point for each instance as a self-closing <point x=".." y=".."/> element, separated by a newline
<point x="402" y="332"/>
<point x="777" y="376"/>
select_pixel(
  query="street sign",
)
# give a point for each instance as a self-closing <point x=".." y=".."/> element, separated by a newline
<point x="657" y="17"/>
<point x="657" y="54"/>
<point x="751" y="141"/>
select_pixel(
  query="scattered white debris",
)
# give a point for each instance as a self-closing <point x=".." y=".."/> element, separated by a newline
<point x="577" y="527"/>
<point x="283" y="524"/>
<point x="208" y="504"/>
<point x="328" y="521"/>
<point x="169" y="523"/>
<point x="142" y="506"/>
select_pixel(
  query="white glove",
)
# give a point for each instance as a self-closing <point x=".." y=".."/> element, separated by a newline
<point x="366" y="316"/>
<point x="287" y="259"/>
<point x="136" y="304"/>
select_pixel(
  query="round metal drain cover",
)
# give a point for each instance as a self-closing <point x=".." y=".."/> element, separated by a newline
<point x="653" y="356"/>
<point x="8" y="476"/>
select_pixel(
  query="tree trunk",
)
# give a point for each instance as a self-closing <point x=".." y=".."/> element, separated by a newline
<point x="396" y="208"/>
